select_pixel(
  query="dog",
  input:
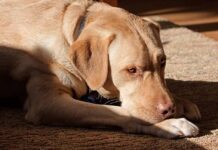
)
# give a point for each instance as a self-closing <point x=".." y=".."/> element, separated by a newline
<point x="62" y="49"/>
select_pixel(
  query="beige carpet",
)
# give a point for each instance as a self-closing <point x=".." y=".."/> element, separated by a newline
<point x="192" y="73"/>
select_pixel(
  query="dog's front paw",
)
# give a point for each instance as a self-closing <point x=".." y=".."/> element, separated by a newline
<point x="192" y="112"/>
<point x="188" y="109"/>
<point x="175" y="128"/>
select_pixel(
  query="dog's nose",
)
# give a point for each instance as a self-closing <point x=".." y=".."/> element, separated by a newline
<point x="166" y="110"/>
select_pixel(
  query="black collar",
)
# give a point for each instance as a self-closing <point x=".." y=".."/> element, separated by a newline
<point x="96" y="98"/>
<point x="80" y="26"/>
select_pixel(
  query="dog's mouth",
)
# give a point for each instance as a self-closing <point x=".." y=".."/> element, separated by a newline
<point x="150" y="111"/>
<point x="148" y="114"/>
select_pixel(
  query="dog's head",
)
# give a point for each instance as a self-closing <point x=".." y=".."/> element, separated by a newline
<point x="120" y="54"/>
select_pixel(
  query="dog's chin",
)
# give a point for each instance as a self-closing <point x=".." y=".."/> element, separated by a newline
<point x="149" y="120"/>
<point x="145" y="115"/>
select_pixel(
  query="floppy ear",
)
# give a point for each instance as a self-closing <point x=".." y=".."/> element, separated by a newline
<point x="89" y="54"/>
<point x="154" y="23"/>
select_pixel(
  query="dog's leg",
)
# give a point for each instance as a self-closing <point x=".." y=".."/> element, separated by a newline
<point x="187" y="109"/>
<point x="50" y="102"/>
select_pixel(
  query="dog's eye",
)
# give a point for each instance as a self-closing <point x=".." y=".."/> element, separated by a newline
<point x="163" y="62"/>
<point x="132" y="70"/>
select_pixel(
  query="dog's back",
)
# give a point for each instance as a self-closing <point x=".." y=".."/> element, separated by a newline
<point x="31" y="24"/>
<point x="28" y="30"/>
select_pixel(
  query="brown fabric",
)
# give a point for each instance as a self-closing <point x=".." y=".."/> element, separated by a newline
<point x="191" y="72"/>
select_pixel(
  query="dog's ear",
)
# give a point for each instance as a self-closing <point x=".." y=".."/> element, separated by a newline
<point x="154" y="23"/>
<point x="154" y="30"/>
<point x="89" y="54"/>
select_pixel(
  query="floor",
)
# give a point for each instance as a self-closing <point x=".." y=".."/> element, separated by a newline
<point x="198" y="15"/>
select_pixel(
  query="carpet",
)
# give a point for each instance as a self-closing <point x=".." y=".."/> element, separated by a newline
<point x="191" y="72"/>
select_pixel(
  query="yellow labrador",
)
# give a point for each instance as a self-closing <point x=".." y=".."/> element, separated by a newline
<point x="62" y="48"/>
